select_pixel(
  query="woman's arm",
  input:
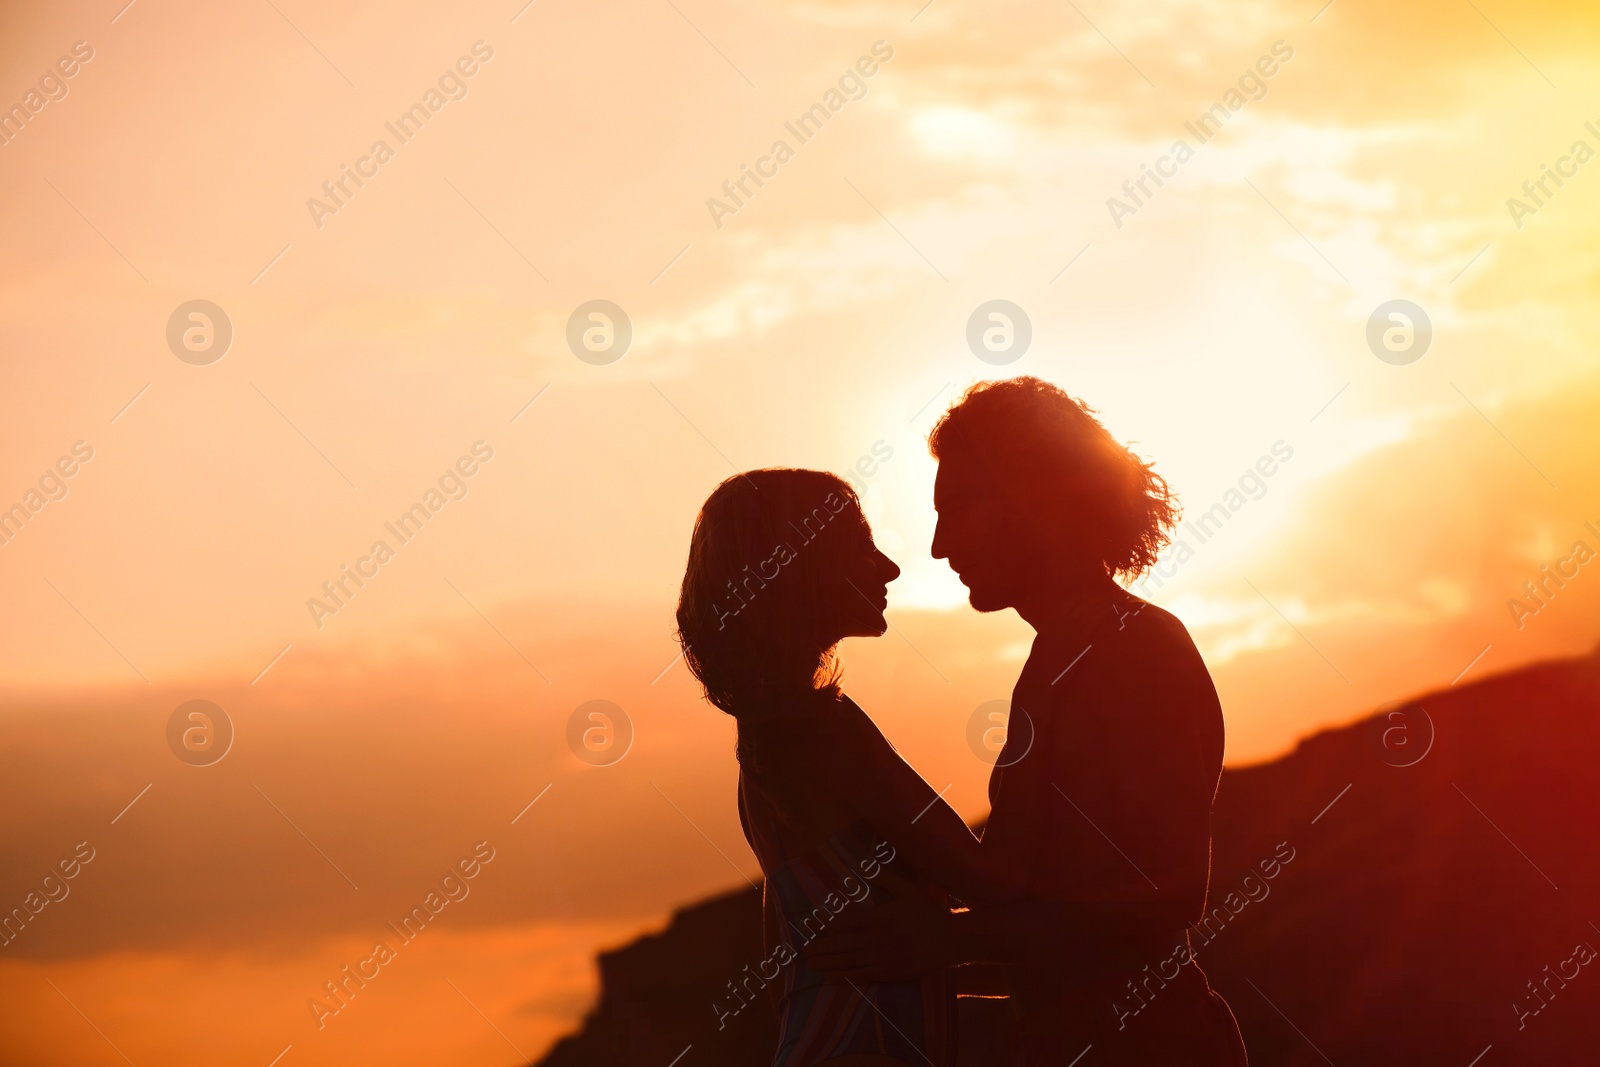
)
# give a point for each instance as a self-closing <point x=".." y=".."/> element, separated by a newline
<point x="859" y="767"/>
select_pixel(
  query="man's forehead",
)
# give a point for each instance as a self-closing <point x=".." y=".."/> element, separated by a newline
<point x="959" y="479"/>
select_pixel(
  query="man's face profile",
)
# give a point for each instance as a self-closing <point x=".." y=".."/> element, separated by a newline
<point x="977" y="533"/>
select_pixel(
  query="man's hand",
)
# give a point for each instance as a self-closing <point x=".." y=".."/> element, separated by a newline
<point x="897" y="941"/>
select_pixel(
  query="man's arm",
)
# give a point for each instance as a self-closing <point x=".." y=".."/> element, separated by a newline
<point x="914" y="935"/>
<point x="1087" y="939"/>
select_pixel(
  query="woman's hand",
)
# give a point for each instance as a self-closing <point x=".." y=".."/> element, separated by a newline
<point x="903" y="939"/>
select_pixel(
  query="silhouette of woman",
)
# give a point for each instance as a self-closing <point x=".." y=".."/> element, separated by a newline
<point x="782" y="566"/>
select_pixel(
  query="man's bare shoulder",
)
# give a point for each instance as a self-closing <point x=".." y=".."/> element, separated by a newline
<point x="1122" y="626"/>
<point x="1144" y="627"/>
<point x="1140" y="654"/>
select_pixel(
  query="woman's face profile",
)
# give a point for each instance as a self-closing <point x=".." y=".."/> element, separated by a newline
<point x="858" y="590"/>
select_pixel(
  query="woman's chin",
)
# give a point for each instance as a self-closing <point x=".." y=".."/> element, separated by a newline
<point x="870" y="628"/>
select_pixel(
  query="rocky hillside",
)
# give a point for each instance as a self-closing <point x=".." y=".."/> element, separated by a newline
<point x="1440" y="904"/>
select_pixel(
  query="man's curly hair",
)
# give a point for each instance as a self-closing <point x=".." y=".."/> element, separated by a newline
<point x="1040" y="447"/>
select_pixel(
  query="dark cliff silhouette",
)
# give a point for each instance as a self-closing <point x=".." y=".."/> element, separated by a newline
<point x="1434" y="892"/>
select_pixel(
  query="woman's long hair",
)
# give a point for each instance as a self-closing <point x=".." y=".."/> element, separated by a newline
<point x="756" y="593"/>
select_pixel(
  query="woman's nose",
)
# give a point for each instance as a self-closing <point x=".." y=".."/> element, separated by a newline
<point x="890" y="569"/>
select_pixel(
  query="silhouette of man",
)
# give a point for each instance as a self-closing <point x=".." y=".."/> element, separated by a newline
<point x="1101" y="797"/>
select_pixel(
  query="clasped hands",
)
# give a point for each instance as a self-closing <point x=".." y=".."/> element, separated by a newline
<point x="900" y="939"/>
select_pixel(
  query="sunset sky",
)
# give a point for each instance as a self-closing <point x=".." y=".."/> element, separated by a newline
<point x="824" y="320"/>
